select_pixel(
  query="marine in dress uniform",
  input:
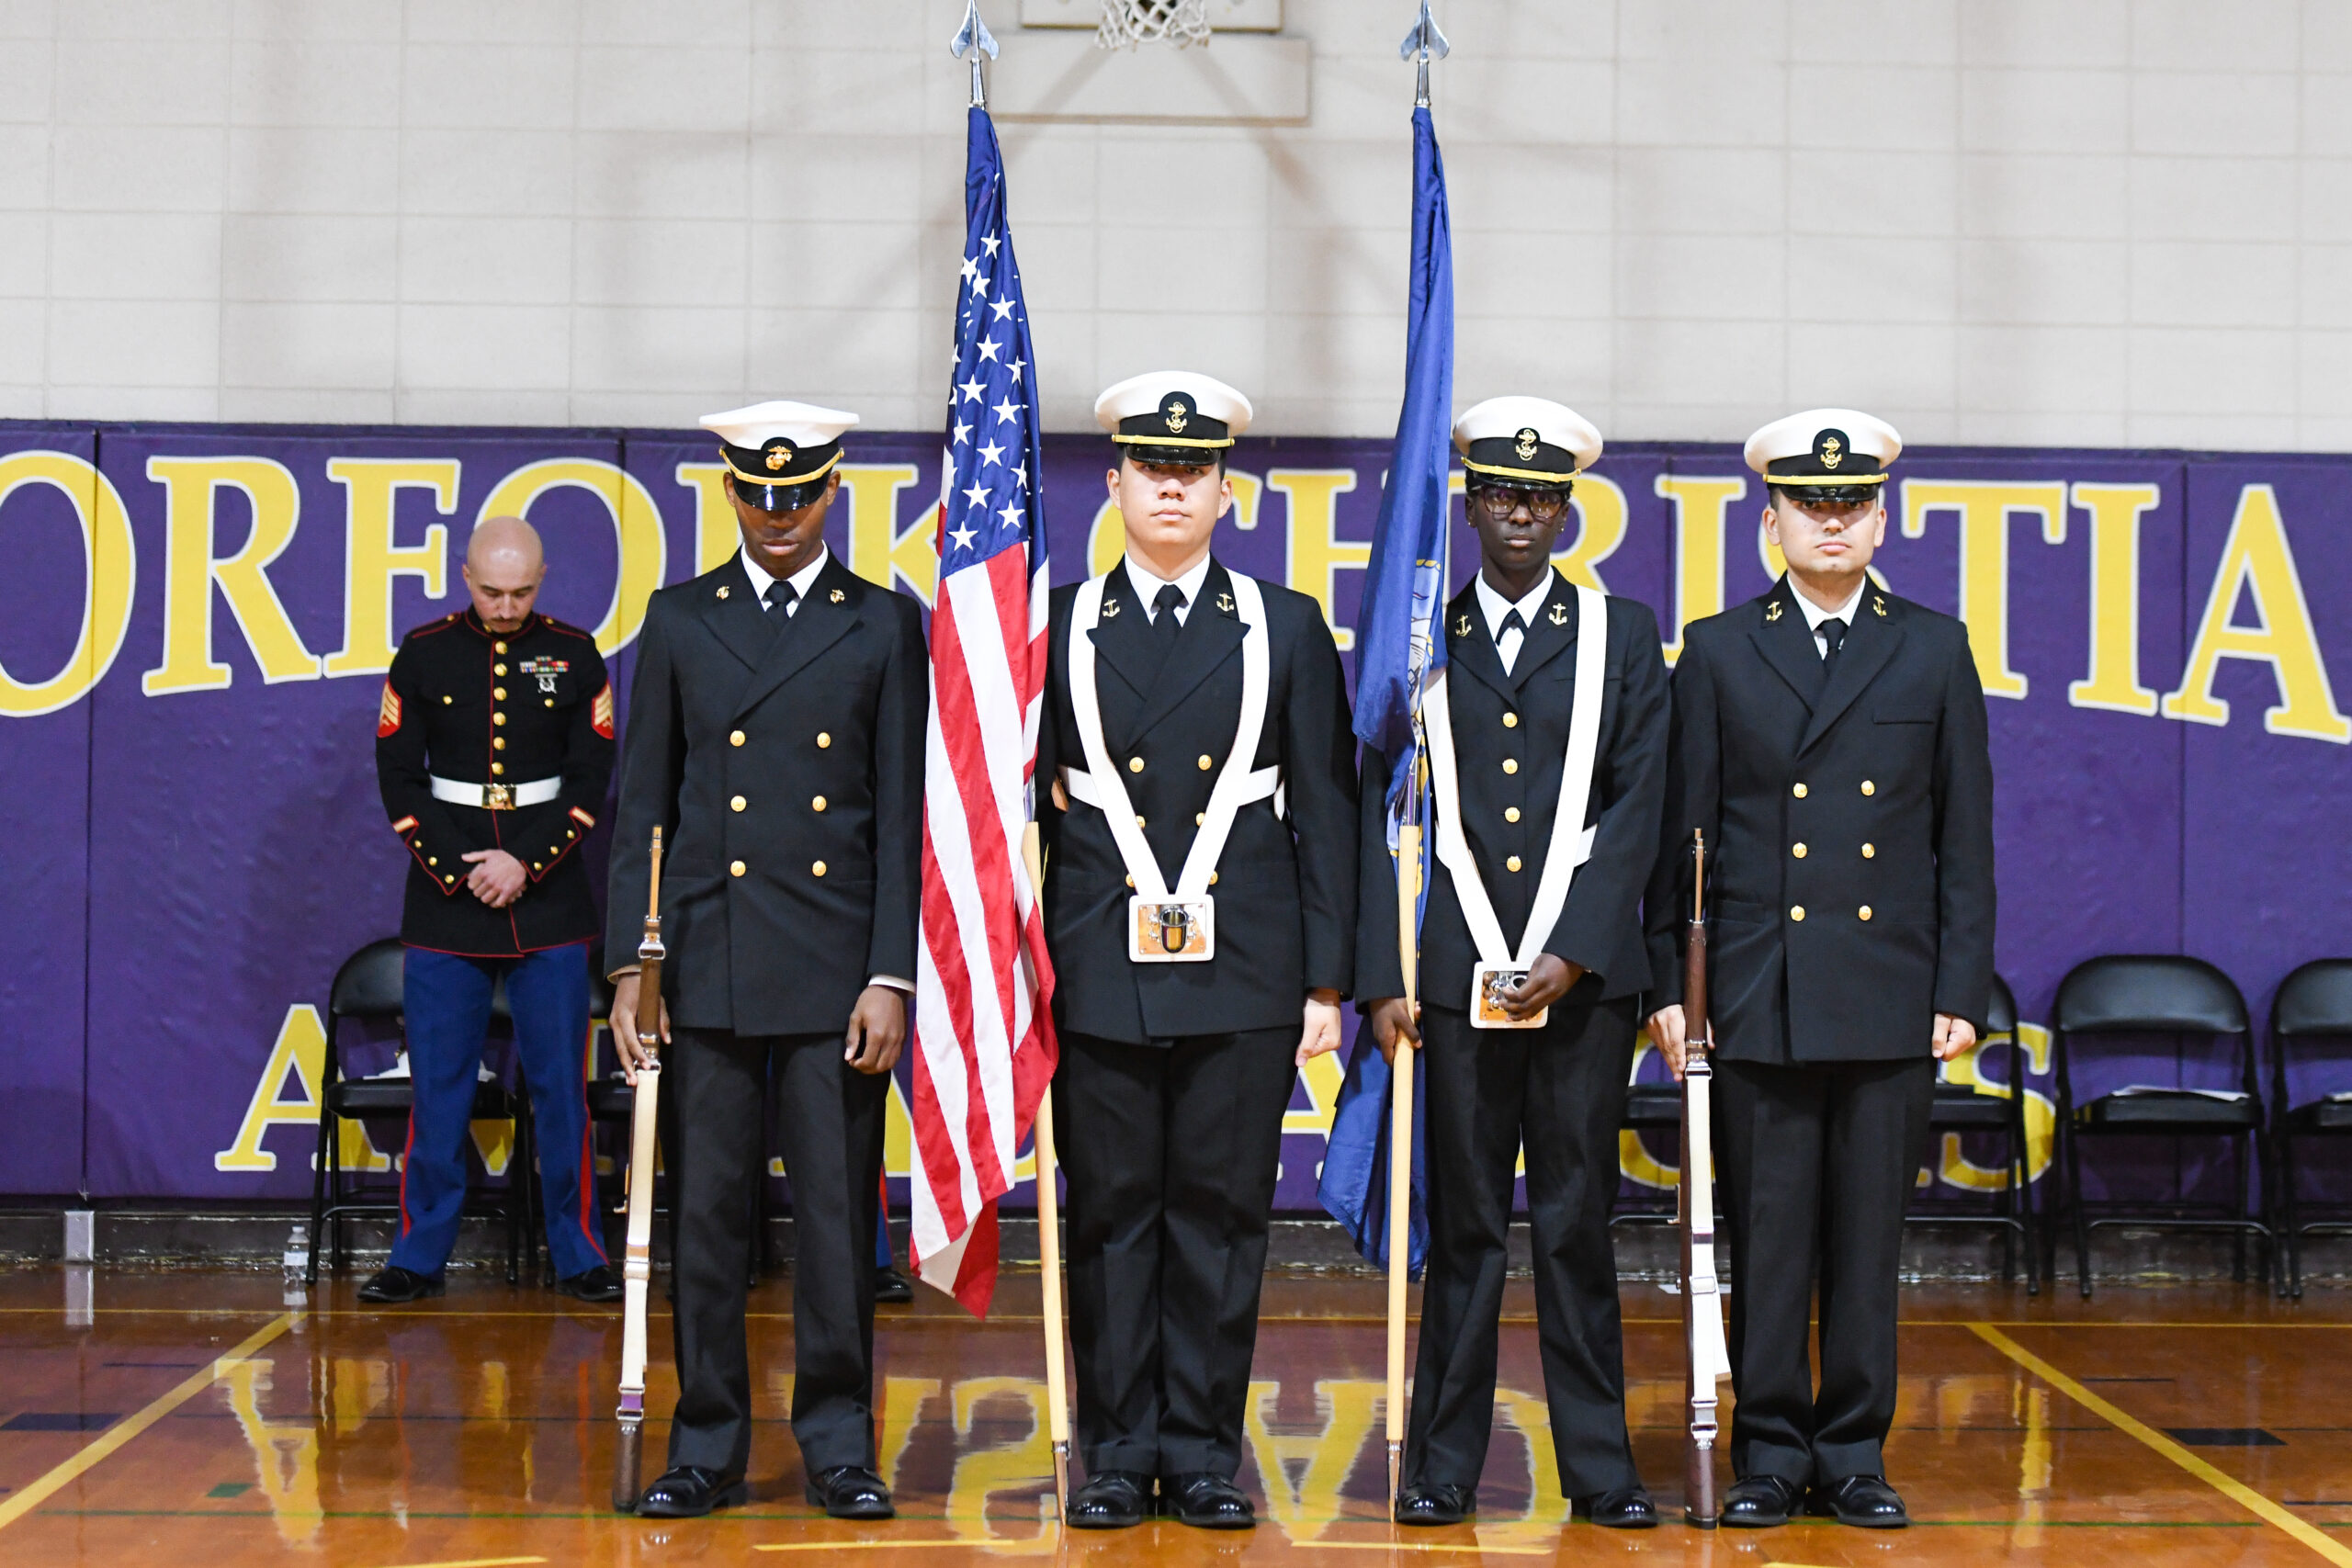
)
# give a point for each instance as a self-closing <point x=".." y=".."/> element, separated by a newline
<point x="493" y="748"/>
<point x="1558" y="1090"/>
<point x="1830" y="738"/>
<point x="776" y="737"/>
<point x="1176" y="1070"/>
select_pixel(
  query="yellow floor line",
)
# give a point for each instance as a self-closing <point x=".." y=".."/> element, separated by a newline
<point x="478" y="1563"/>
<point x="121" y="1432"/>
<point x="2237" y="1491"/>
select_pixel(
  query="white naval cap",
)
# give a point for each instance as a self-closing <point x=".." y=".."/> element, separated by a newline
<point x="1824" y="449"/>
<point x="1172" y="416"/>
<point x="1527" y="440"/>
<point x="776" y="446"/>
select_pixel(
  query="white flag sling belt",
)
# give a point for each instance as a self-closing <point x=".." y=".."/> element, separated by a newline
<point x="1172" y="925"/>
<point x="637" y="1262"/>
<point x="1501" y="965"/>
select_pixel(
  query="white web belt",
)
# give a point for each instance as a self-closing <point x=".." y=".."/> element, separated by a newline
<point x="1571" y="844"/>
<point x="496" y="796"/>
<point x="1237" y="782"/>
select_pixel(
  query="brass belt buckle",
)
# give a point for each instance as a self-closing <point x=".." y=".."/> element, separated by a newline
<point x="498" y="796"/>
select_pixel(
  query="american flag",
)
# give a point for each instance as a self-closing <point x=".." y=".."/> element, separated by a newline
<point x="984" y="1031"/>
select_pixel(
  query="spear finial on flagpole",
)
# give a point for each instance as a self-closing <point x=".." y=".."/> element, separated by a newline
<point x="974" y="38"/>
<point x="1421" y="45"/>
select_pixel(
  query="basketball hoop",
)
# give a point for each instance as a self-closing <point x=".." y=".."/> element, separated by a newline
<point x="1177" y="23"/>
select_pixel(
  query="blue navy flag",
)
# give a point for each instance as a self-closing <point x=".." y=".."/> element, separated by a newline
<point x="1400" y="645"/>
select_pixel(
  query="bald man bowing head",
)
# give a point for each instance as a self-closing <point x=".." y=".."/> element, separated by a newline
<point x="493" y="748"/>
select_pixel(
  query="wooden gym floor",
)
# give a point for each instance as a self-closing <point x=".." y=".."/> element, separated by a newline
<point x="197" y="1421"/>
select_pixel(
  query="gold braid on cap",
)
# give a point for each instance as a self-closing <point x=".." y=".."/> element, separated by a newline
<point x="1541" y="475"/>
<point x="1169" y="440"/>
<point x="819" y="472"/>
<point x="1825" y="479"/>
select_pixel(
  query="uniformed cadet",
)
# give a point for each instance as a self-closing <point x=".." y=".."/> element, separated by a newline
<point x="776" y="735"/>
<point x="1831" y="740"/>
<point x="1200" y="907"/>
<point x="493" y="747"/>
<point x="1547" y="742"/>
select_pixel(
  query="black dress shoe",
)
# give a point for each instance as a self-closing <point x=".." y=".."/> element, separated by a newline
<point x="1113" y="1500"/>
<point x="851" y="1492"/>
<point x="1760" y="1502"/>
<point x="892" y="1286"/>
<point x="394" y="1286"/>
<point x="1205" y="1502"/>
<point x="1438" y="1502"/>
<point x="1626" y="1509"/>
<point x="1866" y="1501"/>
<point x="600" y="1283"/>
<point x="688" y="1492"/>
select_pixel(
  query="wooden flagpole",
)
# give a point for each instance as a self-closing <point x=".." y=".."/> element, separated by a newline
<point x="1049" y="1247"/>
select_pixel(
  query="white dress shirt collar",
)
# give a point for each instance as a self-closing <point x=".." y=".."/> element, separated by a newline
<point x="1815" y="614"/>
<point x="801" y="581"/>
<point x="1494" y="606"/>
<point x="1148" y="583"/>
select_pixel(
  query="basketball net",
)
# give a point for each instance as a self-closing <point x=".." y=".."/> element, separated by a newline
<point x="1177" y="23"/>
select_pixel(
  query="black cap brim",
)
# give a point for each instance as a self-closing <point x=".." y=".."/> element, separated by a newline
<point x="1145" y="455"/>
<point x="780" y="498"/>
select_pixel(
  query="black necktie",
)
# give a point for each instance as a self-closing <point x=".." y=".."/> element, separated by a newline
<point x="1164" y="607"/>
<point x="1833" y="636"/>
<point x="780" y="595"/>
<point x="1512" y="622"/>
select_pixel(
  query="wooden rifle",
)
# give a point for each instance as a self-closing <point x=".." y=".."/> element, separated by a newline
<point x="637" y="1267"/>
<point x="1708" y="1356"/>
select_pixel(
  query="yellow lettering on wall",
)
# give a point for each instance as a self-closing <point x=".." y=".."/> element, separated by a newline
<point x="2257" y="558"/>
<point x="300" y="1049"/>
<point x="1323" y="1077"/>
<point x="1314" y="555"/>
<point x="1302" y="1469"/>
<point x="1985" y="507"/>
<point x="2041" y="1114"/>
<point x="878" y="551"/>
<point x="110" y="574"/>
<point x="716" y="534"/>
<point x="371" y="560"/>
<point x="637" y="531"/>
<point x="192" y="487"/>
<point x="2114" y="679"/>
<point x="1599" y="507"/>
<point x="1106" y="539"/>
<point x="1701" y="505"/>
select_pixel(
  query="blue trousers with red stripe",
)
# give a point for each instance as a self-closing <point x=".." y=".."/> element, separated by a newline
<point x="446" y="999"/>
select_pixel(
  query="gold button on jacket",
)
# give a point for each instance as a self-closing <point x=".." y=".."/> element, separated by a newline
<point x="736" y="869"/>
<point x="1796" y="912"/>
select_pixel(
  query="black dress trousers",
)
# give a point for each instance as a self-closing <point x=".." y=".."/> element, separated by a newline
<point x="1564" y="1085"/>
<point x="1817" y="1163"/>
<point x="830" y="1119"/>
<point x="1172" y="1149"/>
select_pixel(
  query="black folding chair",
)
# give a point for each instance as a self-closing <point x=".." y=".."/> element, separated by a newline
<point x="1649" y="1108"/>
<point x="368" y="988"/>
<point x="2313" y="1009"/>
<point x="1964" y="1103"/>
<point x="2157" y="993"/>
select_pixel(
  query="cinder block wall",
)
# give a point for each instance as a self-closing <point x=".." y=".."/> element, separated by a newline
<point x="2094" y="221"/>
